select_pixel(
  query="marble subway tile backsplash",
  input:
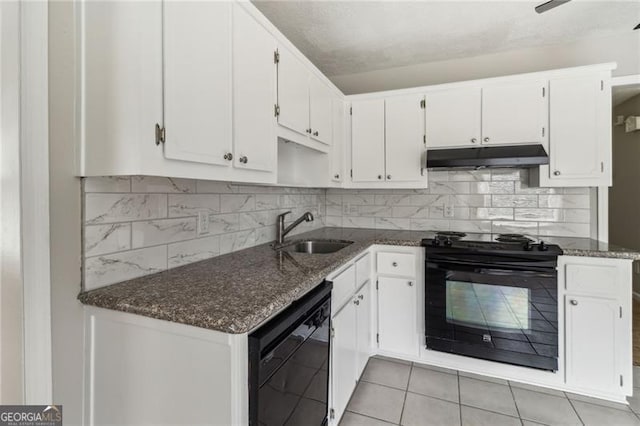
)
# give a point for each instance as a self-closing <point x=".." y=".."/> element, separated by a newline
<point x="140" y="225"/>
<point x="498" y="201"/>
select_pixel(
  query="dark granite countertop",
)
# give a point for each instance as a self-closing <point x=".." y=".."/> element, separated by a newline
<point x="237" y="292"/>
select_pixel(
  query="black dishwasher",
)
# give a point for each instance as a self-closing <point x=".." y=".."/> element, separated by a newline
<point x="289" y="364"/>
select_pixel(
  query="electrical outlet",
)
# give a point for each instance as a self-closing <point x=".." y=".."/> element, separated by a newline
<point x="203" y="223"/>
<point x="448" y="210"/>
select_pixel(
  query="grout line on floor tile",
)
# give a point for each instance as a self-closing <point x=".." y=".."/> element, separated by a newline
<point x="574" y="409"/>
<point x="491" y="411"/>
<point x="380" y="384"/>
<point x="406" y="392"/>
<point x="367" y="416"/>
<point x="513" y="396"/>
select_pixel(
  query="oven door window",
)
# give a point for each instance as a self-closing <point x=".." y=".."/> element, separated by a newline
<point x="488" y="306"/>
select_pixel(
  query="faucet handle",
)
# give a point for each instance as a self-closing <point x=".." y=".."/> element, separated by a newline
<point x="282" y="215"/>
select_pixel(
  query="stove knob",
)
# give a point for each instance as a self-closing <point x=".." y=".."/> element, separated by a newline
<point x="527" y="246"/>
<point x="542" y="246"/>
<point x="435" y="242"/>
<point x="448" y="242"/>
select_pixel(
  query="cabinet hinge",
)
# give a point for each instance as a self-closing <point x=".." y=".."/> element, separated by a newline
<point x="377" y="337"/>
<point x="276" y="57"/>
<point x="333" y="332"/>
<point x="423" y="104"/>
<point x="276" y="110"/>
<point x="332" y="414"/>
<point x="601" y="84"/>
<point x="350" y="110"/>
<point x="351" y="172"/>
<point x="543" y="132"/>
<point x="376" y="284"/>
<point x="620" y="311"/>
<point x="424" y="139"/>
<point x="602" y="167"/>
<point x="621" y="381"/>
<point x="421" y="171"/>
<point x="159" y="134"/>
<point x="543" y="91"/>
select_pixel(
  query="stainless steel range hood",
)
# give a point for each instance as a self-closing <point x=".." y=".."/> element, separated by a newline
<point x="488" y="156"/>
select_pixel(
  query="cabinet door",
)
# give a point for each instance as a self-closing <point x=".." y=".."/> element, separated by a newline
<point x="338" y="143"/>
<point x="122" y="90"/>
<point x="593" y="337"/>
<point x="404" y="132"/>
<point x="367" y="140"/>
<point x="344" y="358"/>
<point x="320" y="106"/>
<point x="254" y="94"/>
<point x="453" y="117"/>
<point x="293" y="92"/>
<point x="397" y="318"/>
<point x="363" y="314"/>
<point x="580" y="131"/>
<point x="514" y="113"/>
<point x="197" y="81"/>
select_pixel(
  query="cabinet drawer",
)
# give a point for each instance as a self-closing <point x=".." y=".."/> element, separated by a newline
<point x="363" y="269"/>
<point x="597" y="280"/>
<point x="402" y="264"/>
<point x="344" y="285"/>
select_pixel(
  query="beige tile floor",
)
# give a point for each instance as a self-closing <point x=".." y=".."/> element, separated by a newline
<point x="401" y="393"/>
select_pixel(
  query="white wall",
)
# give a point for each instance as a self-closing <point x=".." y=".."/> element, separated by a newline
<point x="65" y="219"/>
<point x="623" y="50"/>
<point x="11" y="301"/>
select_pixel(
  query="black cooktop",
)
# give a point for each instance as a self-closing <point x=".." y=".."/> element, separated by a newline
<point x="486" y="242"/>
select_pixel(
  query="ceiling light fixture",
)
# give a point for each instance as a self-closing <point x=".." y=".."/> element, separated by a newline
<point x="541" y="8"/>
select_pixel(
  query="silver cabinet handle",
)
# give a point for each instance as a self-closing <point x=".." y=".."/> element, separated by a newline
<point x="337" y="176"/>
<point x="389" y="177"/>
<point x="394" y="264"/>
<point x="360" y="296"/>
<point x="228" y="156"/>
<point x="556" y="173"/>
<point x="574" y="302"/>
<point x="474" y="140"/>
<point x="308" y="131"/>
<point x="486" y="139"/>
<point x="244" y="159"/>
<point x="410" y="283"/>
<point x="379" y="176"/>
<point x="356" y="302"/>
<point x="316" y="133"/>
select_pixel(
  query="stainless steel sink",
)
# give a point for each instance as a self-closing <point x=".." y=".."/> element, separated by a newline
<point x="316" y="246"/>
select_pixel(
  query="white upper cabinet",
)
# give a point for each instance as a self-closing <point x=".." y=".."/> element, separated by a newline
<point x="197" y="81"/>
<point x="254" y="94"/>
<point x="337" y="147"/>
<point x="293" y="92"/>
<point x="367" y="140"/>
<point x="120" y="93"/>
<point x="404" y="135"/>
<point x="320" y="107"/>
<point x="453" y="117"/>
<point x="514" y="113"/>
<point x="580" y="132"/>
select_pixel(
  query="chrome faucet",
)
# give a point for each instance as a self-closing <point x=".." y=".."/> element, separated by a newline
<point x="281" y="231"/>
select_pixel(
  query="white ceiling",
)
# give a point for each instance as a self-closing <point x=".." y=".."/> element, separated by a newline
<point x="344" y="37"/>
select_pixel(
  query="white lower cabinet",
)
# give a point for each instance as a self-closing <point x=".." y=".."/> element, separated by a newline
<point x="344" y="356"/>
<point x="397" y="316"/>
<point x="363" y="326"/>
<point x="597" y="312"/>
<point x="593" y="343"/>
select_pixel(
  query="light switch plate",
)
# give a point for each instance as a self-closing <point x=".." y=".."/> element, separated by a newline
<point x="448" y="210"/>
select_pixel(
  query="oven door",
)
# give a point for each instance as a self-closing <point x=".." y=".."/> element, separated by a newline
<point x="507" y="315"/>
